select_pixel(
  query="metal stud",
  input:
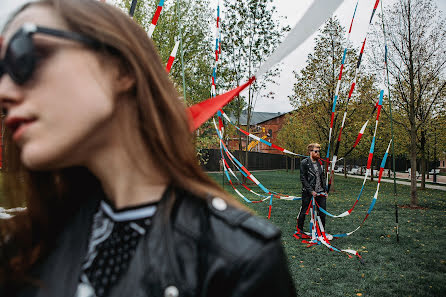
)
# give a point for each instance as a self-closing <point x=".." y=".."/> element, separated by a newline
<point x="171" y="291"/>
<point x="219" y="204"/>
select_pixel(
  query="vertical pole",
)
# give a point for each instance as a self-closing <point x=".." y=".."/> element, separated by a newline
<point x="434" y="179"/>
<point x="391" y="125"/>
<point x="132" y="8"/>
<point x="181" y="49"/>
<point x="223" y="177"/>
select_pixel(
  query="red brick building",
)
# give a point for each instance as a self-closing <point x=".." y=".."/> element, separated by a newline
<point x="265" y="125"/>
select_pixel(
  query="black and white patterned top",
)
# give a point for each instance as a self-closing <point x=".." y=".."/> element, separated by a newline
<point x="113" y="241"/>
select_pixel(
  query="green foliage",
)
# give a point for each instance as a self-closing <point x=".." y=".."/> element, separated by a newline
<point x="298" y="132"/>
<point x="417" y="259"/>
<point x="195" y="18"/>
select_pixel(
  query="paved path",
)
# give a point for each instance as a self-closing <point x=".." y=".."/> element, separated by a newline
<point x="441" y="187"/>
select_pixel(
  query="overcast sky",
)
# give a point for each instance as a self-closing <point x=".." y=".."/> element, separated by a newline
<point x="293" y="11"/>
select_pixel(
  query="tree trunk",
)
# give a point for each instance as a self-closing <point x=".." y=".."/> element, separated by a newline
<point x="286" y="163"/>
<point x="345" y="169"/>
<point x="423" y="160"/>
<point x="412" y="114"/>
<point x="428" y="160"/>
<point x="413" y="167"/>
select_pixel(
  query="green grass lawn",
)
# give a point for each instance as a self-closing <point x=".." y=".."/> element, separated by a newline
<point x="414" y="266"/>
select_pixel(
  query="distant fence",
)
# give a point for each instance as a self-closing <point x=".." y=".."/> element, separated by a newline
<point x="256" y="161"/>
<point x="264" y="161"/>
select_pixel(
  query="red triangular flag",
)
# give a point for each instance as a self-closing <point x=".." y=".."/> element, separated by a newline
<point x="204" y="110"/>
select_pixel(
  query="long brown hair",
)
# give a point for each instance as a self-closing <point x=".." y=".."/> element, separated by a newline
<point x="51" y="197"/>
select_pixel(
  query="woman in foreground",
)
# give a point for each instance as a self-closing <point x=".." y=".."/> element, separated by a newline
<point x="98" y="148"/>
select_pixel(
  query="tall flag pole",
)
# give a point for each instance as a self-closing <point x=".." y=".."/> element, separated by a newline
<point x="391" y="124"/>
<point x="155" y="18"/>
<point x="352" y="88"/>
<point x="132" y="8"/>
<point x="181" y="49"/>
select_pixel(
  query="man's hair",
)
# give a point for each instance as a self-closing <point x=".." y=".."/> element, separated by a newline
<point x="311" y="146"/>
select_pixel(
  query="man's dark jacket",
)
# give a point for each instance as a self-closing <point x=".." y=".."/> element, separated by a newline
<point x="200" y="249"/>
<point x="308" y="176"/>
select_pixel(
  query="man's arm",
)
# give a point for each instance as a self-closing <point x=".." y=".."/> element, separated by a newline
<point x="304" y="176"/>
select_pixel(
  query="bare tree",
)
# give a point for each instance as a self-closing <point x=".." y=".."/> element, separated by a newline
<point x="251" y="33"/>
<point x="416" y="35"/>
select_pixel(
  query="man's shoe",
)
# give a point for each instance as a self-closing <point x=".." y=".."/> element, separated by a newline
<point x="302" y="234"/>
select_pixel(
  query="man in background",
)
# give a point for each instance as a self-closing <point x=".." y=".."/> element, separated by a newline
<point x="313" y="185"/>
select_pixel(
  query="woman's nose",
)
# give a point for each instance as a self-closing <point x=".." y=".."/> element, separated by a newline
<point x="10" y="93"/>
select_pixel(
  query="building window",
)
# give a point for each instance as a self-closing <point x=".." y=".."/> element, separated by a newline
<point x="270" y="133"/>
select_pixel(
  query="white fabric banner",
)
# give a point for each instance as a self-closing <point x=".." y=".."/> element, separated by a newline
<point x="314" y="17"/>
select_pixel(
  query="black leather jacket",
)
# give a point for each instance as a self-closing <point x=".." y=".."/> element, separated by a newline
<point x="203" y="248"/>
<point x="308" y="176"/>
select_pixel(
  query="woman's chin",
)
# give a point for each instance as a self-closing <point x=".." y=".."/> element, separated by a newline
<point x="40" y="160"/>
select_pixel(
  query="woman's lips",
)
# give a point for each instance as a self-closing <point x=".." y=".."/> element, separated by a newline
<point x="18" y="126"/>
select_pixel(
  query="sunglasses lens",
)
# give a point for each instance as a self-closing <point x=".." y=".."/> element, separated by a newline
<point x="19" y="58"/>
<point x="2" y="68"/>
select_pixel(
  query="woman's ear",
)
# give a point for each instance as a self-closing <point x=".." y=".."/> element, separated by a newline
<point x="124" y="79"/>
<point x="124" y="83"/>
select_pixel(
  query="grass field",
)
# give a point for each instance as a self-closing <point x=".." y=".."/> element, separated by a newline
<point x="414" y="266"/>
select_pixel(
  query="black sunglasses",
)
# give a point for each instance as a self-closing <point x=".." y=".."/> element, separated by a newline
<point x="20" y="55"/>
<point x="316" y="151"/>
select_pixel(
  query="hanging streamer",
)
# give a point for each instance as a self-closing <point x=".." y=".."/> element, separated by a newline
<point x="369" y="161"/>
<point x="172" y="56"/>
<point x="318" y="12"/>
<point x="339" y="82"/>
<point x="155" y="18"/>
<point x="272" y="145"/>
<point x="316" y="15"/>
<point x="245" y="172"/>
<point x="217" y="52"/>
<point x="352" y="88"/>
<point x="375" y="196"/>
